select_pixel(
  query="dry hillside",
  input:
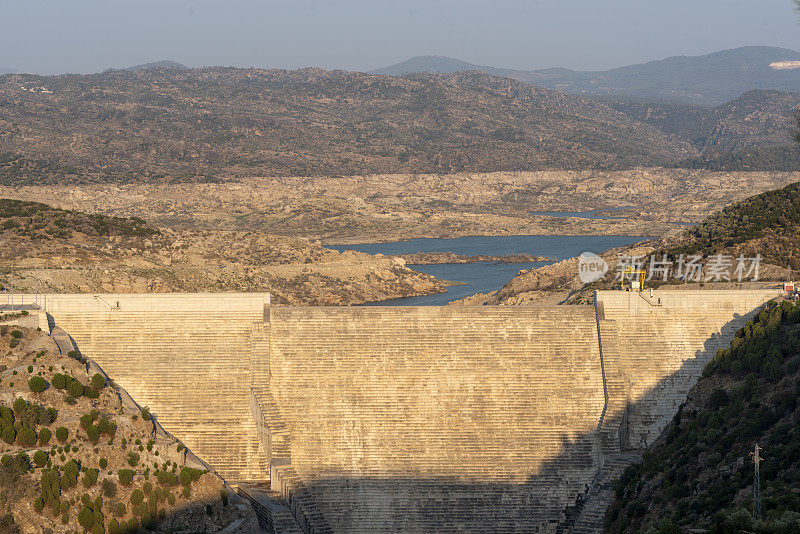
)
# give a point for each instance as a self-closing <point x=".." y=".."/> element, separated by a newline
<point x="76" y="457"/>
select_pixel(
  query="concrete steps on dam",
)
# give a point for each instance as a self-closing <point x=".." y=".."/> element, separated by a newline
<point x="438" y="419"/>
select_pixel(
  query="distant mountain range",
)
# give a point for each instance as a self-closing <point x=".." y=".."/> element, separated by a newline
<point x="163" y="64"/>
<point x="705" y="80"/>
<point x="221" y="122"/>
<point x="4" y="70"/>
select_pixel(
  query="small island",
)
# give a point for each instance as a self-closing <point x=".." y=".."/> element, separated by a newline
<point x="435" y="258"/>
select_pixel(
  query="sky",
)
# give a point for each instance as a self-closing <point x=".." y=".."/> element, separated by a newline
<point x="58" y="36"/>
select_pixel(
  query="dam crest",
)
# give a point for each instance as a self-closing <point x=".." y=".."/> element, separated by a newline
<point x="412" y="419"/>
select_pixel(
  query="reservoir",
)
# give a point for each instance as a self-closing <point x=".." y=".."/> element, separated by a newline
<point x="483" y="277"/>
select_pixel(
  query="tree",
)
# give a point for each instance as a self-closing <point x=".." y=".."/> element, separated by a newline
<point x="37" y="384"/>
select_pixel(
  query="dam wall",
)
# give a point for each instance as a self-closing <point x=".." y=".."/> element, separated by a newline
<point x="413" y="419"/>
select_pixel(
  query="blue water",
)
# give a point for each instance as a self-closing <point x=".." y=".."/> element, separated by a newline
<point x="483" y="277"/>
<point x="591" y="214"/>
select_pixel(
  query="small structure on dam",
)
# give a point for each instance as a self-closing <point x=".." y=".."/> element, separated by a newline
<point x="412" y="419"/>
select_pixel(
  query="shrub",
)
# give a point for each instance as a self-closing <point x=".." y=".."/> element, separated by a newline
<point x="137" y="497"/>
<point x="146" y="413"/>
<point x="147" y="488"/>
<point x="187" y="492"/>
<point x="119" y="509"/>
<point x="133" y="524"/>
<point x="44" y="436"/>
<point x="86" y="421"/>
<point x="223" y="495"/>
<point x="91" y="393"/>
<point x="93" y="433"/>
<point x="171" y="498"/>
<point x="90" y="478"/>
<point x="186" y="476"/>
<point x="40" y="458"/>
<point x="103" y="463"/>
<point x="9" y="434"/>
<point x="38" y="504"/>
<point x="97" y="528"/>
<point x="133" y="459"/>
<point x="125" y="476"/>
<point x="75" y="389"/>
<point x="59" y="381"/>
<point x="98" y="381"/>
<point x="113" y="526"/>
<point x="71" y="469"/>
<point x="86" y="517"/>
<point x="109" y="488"/>
<point x="37" y="384"/>
<point x="64" y="519"/>
<point x="20" y="405"/>
<point x="62" y="434"/>
<point x="16" y="334"/>
<point x="27" y="437"/>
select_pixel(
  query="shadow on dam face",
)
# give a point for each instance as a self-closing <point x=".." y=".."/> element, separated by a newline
<point x="448" y="419"/>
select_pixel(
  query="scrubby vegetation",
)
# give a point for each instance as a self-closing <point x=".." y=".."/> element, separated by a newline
<point x="106" y="471"/>
<point x="768" y="224"/>
<point x="39" y="221"/>
<point x="698" y="474"/>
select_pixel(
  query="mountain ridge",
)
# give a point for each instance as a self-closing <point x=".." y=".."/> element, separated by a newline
<point x="708" y="79"/>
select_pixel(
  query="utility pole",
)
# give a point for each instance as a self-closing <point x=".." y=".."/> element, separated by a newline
<point x="757" y="484"/>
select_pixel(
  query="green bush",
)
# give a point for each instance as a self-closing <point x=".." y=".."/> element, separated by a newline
<point x="40" y="458"/>
<point x="86" y="421"/>
<point x="59" y="381"/>
<point x="93" y="433"/>
<point x="98" y="381"/>
<point x="113" y="526"/>
<point x="90" y="478"/>
<point x="71" y="469"/>
<point x="64" y="519"/>
<point x="187" y="492"/>
<point x="137" y="497"/>
<point x="9" y="434"/>
<point x="171" y="499"/>
<point x="38" y="504"/>
<point x="20" y="405"/>
<point x="16" y="334"/>
<point x="27" y="437"/>
<point x="119" y="509"/>
<point x="146" y="413"/>
<point x="125" y="476"/>
<point x="133" y="524"/>
<point x="133" y="459"/>
<point x="91" y="393"/>
<point x="62" y="434"/>
<point x="147" y="488"/>
<point x="44" y="436"/>
<point x="37" y="384"/>
<point x="75" y="389"/>
<point x="103" y="463"/>
<point x="86" y="518"/>
<point x="109" y="488"/>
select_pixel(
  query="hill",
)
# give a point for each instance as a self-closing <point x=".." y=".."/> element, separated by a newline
<point x="752" y="132"/>
<point x="163" y="64"/>
<point x="707" y="80"/>
<point x="47" y="249"/>
<point x="220" y="123"/>
<point x="77" y="453"/>
<point x="698" y="473"/>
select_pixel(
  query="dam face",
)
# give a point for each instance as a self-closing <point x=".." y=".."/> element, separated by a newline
<point x="412" y="419"/>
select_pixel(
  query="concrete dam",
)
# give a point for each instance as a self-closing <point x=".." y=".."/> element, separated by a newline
<point x="412" y="419"/>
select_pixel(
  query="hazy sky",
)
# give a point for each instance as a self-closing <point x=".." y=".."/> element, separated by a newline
<point x="55" y="36"/>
